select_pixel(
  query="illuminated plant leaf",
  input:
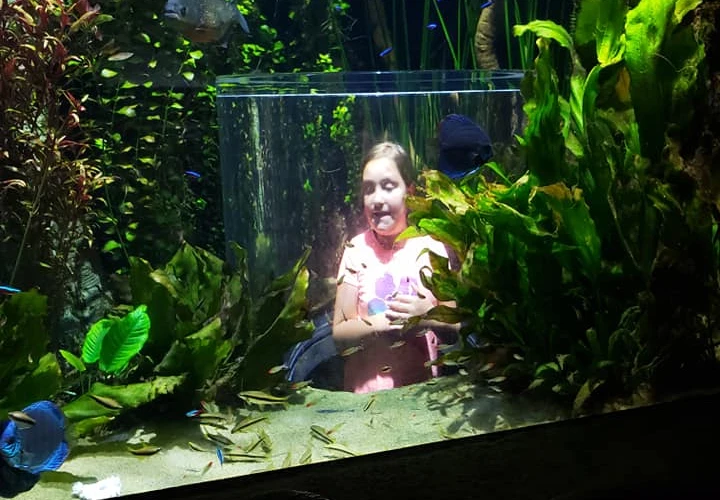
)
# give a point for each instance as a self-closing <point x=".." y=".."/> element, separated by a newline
<point x="113" y="342"/>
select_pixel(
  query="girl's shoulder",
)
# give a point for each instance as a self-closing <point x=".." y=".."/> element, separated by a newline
<point x="360" y="238"/>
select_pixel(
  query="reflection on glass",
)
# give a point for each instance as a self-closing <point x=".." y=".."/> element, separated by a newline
<point x="365" y="261"/>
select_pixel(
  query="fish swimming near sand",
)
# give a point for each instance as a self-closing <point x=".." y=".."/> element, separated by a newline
<point x="38" y="447"/>
<point x="204" y="21"/>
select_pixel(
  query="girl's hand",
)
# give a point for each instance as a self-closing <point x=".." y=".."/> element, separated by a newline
<point x="403" y="307"/>
<point x="381" y="322"/>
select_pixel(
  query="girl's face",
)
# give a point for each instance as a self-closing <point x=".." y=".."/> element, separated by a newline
<point x="384" y="192"/>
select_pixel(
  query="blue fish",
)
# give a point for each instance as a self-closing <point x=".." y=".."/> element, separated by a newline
<point x="385" y="52"/>
<point x="8" y="289"/>
<point x="464" y="146"/>
<point x="192" y="173"/>
<point x="486" y="4"/>
<point x="431" y="26"/>
<point x="39" y="447"/>
<point x="219" y="453"/>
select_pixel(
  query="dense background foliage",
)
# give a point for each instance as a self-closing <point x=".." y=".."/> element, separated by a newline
<point x="592" y="270"/>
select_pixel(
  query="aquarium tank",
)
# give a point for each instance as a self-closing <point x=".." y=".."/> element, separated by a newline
<point x="189" y="228"/>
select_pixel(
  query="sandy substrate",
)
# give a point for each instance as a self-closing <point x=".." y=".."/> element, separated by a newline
<point x="444" y="408"/>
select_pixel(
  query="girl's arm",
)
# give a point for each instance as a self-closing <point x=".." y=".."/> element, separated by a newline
<point x="349" y="328"/>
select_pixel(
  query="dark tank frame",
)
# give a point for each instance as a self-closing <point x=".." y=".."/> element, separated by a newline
<point x="668" y="450"/>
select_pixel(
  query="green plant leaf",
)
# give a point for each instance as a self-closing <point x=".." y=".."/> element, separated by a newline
<point x="92" y="347"/>
<point x="73" y="360"/>
<point x="40" y="383"/>
<point x="207" y="350"/>
<point x="602" y="22"/>
<point x="129" y="396"/>
<point x="23" y="335"/>
<point x="546" y="29"/>
<point x="113" y="342"/>
<point x="110" y="246"/>
<point x="584" y="393"/>
<point x="646" y="28"/>
<point x="447" y="314"/>
<point x="577" y="225"/>
<point x="285" y="330"/>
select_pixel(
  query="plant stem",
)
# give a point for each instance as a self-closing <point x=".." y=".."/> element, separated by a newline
<point x="508" y="33"/>
<point x="448" y="39"/>
<point x="426" y="34"/>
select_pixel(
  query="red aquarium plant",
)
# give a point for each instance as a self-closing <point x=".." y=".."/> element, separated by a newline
<point x="46" y="178"/>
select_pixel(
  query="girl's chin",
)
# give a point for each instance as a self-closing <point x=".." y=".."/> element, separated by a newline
<point x="387" y="229"/>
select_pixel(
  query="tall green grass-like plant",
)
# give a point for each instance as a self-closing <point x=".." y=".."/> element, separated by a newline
<point x="569" y="268"/>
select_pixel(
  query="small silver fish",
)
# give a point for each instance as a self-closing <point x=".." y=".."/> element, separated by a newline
<point x="351" y="350"/>
<point x="22" y="419"/>
<point x="109" y="403"/>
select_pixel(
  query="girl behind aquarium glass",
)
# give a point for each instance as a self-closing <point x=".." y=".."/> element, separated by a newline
<point x="379" y="284"/>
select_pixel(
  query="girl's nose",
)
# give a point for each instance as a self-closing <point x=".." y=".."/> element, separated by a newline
<point x="377" y="199"/>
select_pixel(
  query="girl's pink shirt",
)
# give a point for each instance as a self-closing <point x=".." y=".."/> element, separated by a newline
<point x="385" y="361"/>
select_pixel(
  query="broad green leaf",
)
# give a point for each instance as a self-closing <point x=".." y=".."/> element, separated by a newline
<point x="602" y="21"/>
<point x="584" y="393"/>
<point x="682" y="8"/>
<point x="41" y="383"/>
<point x="113" y="342"/>
<point x="442" y="188"/>
<point x="128" y="111"/>
<point x="576" y="224"/>
<point x="207" y="350"/>
<point x="542" y="370"/>
<point x="108" y="73"/>
<point x="446" y="314"/>
<point x="23" y="334"/>
<point x="73" y="360"/>
<point x="92" y="347"/>
<point x="110" y="246"/>
<point x="129" y="396"/>
<point x="546" y="29"/>
<point x="645" y="30"/>
<point x="285" y="329"/>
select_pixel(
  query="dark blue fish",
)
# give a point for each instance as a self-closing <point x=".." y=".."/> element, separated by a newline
<point x="193" y="413"/>
<point x="385" y="52"/>
<point x="464" y="146"/>
<point x="221" y="457"/>
<point x="192" y="173"/>
<point x="37" y="448"/>
<point x="14" y="481"/>
<point x="486" y="4"/>
<point x="8" y="290"/>
<point x="431" y="26"/>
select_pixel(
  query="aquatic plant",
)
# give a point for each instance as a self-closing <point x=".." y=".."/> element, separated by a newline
<point x="566" y="272"/>
<point x="47" y="180"/>
<point x="28" y="372"/>
<point x="113" y="342"/>
<point x="203" y="324"/>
